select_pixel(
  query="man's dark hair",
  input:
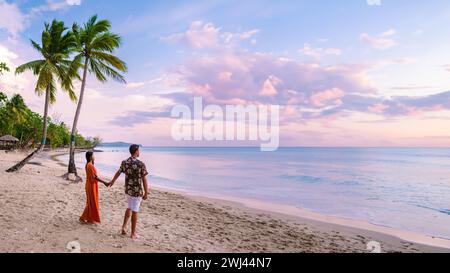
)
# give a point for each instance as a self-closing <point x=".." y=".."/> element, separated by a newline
<point x="133" y="149"/>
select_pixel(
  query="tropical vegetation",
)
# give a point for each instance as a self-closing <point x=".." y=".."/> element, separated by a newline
<point x="18" y="120"/>
<point x="64" y="53"/>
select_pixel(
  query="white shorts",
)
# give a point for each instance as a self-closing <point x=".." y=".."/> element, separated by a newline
<point x="134" y="203"/>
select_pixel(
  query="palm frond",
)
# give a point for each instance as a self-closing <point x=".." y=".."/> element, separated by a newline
<point x="45" y="77"/>
<point x="110" y="60"/>
<point x="34" y="66"/>
<point x="106" y="42"/>
<point x="52" y="89"/>
<point x="94" y="68"/>
<point x="110" y="72"/>
<point x="36" y="46"/>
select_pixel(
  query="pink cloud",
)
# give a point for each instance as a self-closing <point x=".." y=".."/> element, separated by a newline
<point x="199" y="35"/>
<point x="269" y="87"/>
<point x="263" y="78"/>
<point x="318" y="53"/>
<point x="202" y="35"/>
<point x="135" y="85"/>
<point x="12" y="19"/>
<point x="320" y="99"/>
<point x="380" y="41"/>
<point x="225" y="76"/>
<point x="378" y="108"/>
<point x="224" y="73"/>
<point x="229" y="37"/>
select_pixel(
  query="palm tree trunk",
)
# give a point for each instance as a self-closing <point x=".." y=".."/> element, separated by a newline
<point x="44" y="132"/>
<point x="72" y="169"/>
<point x="27" y="159"/>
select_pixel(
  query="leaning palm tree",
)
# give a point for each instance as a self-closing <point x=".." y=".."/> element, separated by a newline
<point x="95" y="45"/>
<point x="54" y="67"/>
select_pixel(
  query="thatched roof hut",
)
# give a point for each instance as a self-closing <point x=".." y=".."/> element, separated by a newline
<point x="8" y="142"/>
<point x="9" y="138"/>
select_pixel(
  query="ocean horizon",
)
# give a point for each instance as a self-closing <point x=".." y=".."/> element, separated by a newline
<point x="402" y="188"/>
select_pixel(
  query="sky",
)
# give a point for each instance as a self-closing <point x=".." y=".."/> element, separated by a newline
<point x="345" y="73"/>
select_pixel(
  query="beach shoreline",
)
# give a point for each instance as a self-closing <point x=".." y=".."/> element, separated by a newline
<point x="174" y="221"/>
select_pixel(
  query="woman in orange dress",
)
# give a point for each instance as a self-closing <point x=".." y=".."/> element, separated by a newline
<point x="91" y="213"/>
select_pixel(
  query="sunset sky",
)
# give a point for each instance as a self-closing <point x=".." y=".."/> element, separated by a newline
<point x="345" y="73"/>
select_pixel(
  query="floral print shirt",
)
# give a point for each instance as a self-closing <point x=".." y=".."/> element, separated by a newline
<point x="134" y="171"/>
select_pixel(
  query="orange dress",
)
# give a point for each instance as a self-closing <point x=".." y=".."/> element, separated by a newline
<point x="91" y="213"/>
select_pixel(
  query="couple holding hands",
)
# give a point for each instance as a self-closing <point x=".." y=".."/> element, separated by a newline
<point x="136" y="189"/>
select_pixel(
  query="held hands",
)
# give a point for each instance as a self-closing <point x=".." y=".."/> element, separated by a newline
<point x="145" y="197"/>
<point x="102" y="181"/>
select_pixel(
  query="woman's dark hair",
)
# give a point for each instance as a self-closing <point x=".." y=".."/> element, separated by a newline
<point x="89" y="155"/>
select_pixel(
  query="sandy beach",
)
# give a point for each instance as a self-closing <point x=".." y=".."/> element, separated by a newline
<point x="39" y="212"/>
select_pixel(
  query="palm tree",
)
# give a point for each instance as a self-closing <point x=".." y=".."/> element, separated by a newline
<point x="57" y="43"/>
<point x="3" y="98"/>
<point x="95" y="45"/>
<point x="15" y="112"/>
<point x="17" y="108"/>
<point x="3" y="67"/>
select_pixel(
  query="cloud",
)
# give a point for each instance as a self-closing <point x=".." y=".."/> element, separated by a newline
<point x="381" y="41"/>
<point x="388" y="62"/>
<point x="242" y="77"/>
<point x="264" y="78"/>
<point x="131" y="118"/>
<point x="393" y="107"/>
<point x="412" y="87"/>
<point x="378" y="108"/>
<point x="270" y="86"/>
<point x="57" y="5"/>
<point x="135" y="85"/>
<point x="101" y="109"/>
<point x="8" y="80"/>
<point x="73" y="2"/>
<point x="373" y="2"/>
<point x="306" y="91"/>
<point x="202" y="35"/>
<point x="12" y="20"/>
<point x="229" y="37"/>
<point x="321" y="99"/>
<point x="249" y="34"/>
<point x="6" y="55"/>
<point x="162" y="84"/>
<point x="389" y="32"/>
<point x="53" y="5"/>
<point x="318" y="53"/>
<point x="198" y="36"/>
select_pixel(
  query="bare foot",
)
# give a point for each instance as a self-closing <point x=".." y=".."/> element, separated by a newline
<point x="83" y="222"/>
<point x="124" y="232"/>
<point x="134" y="236"/>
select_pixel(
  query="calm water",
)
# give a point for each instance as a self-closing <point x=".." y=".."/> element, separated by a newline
<point x="401" y="188"/>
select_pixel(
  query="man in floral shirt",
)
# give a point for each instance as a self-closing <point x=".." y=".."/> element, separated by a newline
<point x="136" y="188"/>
